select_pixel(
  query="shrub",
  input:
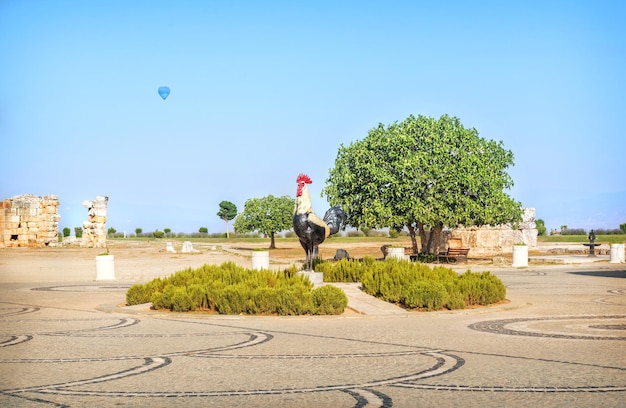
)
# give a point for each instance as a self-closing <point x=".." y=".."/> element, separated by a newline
<point x="329" y="300"/>
<point x="481" y="288"/>
<point x="541" y="227"/>
<point x="262" y="300"/>
<point x="344" y="270"/>
<point x="294" y="300"/>
<point x="427" y="295"/>
<point x="573" y="231"/>
<point x="66" y="232"/>
<point x="231" y="289"/>
<point x="426" y="257"/>
<point x="232" y="299"/>
<point x="416" y="285"/>
<point x="602" y="231"/>
<point x="138" y="294"/>
<point x="158" y="234"/>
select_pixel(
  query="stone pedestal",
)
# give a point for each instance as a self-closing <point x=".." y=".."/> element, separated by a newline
<point x="316" y="278"/>
<point x="617" y="253"/>
<point x="105" y="267"/>
<point x="260" y="260"/>
<point x="520" y="256"/>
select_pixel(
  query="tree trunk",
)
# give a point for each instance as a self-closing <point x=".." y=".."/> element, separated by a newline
<point x="430" y="239"/>
<point x="435" y="238"/>
<point x="423" y="238"/>
<point x="226" y="229"/>
<point x="413" y="237"/>
<point x="272" y="243"/>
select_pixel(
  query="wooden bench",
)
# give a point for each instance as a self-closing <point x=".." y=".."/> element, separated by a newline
<point x="457" y="254"/>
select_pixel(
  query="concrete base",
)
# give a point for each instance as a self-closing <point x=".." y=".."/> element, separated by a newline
<point x="317" y="278"/>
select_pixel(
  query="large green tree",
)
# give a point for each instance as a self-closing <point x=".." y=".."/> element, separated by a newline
<point x="267" y="215"/>
<point x="227" y="212"/>
<point x="425" y="174"/>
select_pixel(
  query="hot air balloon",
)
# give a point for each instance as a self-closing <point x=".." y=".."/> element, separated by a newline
<point x="164" y="91"/>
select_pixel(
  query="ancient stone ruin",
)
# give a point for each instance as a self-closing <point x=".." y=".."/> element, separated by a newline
<point x="94" y="229"/>
<point x="492" y="240"/>
<point x="29" y="221"/>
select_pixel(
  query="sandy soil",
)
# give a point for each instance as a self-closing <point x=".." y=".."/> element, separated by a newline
<point x="139" y="261"/>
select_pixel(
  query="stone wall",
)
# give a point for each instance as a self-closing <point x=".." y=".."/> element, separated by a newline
<point x="493" y="240"/>
<point x="94" y="229"/>
<point x="29" y="221"/>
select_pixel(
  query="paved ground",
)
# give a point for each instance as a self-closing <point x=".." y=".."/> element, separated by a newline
<point x="66" y="340"/>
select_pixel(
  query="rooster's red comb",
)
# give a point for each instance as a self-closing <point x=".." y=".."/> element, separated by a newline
<point x="303" y="178"/>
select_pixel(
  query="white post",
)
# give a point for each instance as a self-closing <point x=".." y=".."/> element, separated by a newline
<point x="617" y="253"/>
<point x="105" y="267"/>
<point x="260" y="260"/>
<point x="520" y="256"/>
<point x="396" y="252"/>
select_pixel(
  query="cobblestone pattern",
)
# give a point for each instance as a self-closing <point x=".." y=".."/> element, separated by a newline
<point x="63" y="356"/>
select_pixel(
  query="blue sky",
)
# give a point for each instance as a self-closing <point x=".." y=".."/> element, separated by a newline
<point x="264" y="90"/>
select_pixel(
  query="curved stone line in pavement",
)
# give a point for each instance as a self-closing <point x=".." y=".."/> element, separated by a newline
<point x="254" y="338"/>
<point x="496" y="388"/>
<point x="20" y="311"/>
<point x="13" y="340"/>
<point x="498" y="327"/>
<point x="444" y="364"/>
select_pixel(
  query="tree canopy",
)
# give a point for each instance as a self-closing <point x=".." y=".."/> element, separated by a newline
<point x="267" y="215"/>
<point x="227" y="212"/>
<point x="423" y="173"/>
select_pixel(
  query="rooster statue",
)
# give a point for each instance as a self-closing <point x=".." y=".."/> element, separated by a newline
<point x="311" y="229"/>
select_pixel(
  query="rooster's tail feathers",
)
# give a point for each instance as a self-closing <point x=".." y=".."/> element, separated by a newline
<point x="335" y="218"/>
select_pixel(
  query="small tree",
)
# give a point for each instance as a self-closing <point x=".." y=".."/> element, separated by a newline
<point x="623" y="227"/>
<point x="111" y="231"/>
<point x="138" y="231"/>
<point x="167" y="231"/>
<point x="203" y="230"/>
<point x="227" y="212"/>
<point x="267" y="215"/>
<point x="541" y="227"/>
<point x="66" y="231"/>
<point x="78" y="231"/>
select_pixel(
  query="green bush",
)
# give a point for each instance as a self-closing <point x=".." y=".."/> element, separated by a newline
<point x="294" y="300"/>
<point x="231" y="289"/>
<point x="427" y="295"/>
<point x="481" y="288"/>
<point x="417" y="285"/>
<point x="344" y="270"/>
<point x="329" y="300"/>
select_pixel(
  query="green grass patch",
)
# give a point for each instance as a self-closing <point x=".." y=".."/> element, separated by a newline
<point x="601" y="239"/>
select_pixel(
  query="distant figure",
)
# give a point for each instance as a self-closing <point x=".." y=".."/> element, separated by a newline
<point x="592" y="237"/>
